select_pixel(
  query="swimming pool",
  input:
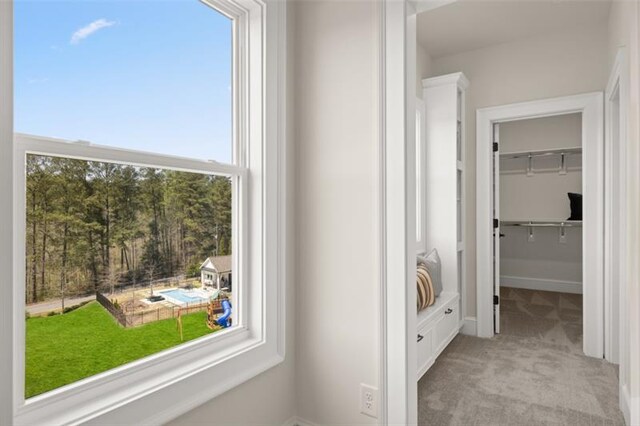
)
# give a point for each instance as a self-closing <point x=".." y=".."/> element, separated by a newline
<point x="181" y="296"/>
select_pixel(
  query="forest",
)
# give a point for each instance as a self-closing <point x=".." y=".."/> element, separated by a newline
<point x="103" y="226"/>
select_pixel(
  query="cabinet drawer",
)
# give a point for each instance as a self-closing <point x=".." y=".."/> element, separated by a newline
<point x="447" y="326"/>
<point x="425" y="349"/>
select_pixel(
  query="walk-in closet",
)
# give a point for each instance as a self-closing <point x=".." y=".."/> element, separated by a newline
<point x="539" y="192"/>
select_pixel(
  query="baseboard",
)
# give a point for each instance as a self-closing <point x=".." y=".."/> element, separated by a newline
<point x="542" y="284"/>
<point x="297" y="421"/>
<point x="624" y="404"/>
<point x="634" y="411"/>
<point x="469" y="326"/>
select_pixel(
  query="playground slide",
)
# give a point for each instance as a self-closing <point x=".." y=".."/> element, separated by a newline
<point x="224" y="320"/>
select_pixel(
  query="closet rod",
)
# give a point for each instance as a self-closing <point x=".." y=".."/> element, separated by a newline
<point x="545" y="224"/>
<point x="541" y="153"/>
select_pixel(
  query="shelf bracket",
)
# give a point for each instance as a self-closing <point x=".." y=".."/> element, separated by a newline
<point x="563" y="234"/>
<point x="530" y="165"/>
<point x="563" y="164"/>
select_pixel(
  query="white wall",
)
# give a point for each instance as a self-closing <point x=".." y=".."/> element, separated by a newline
<point x="541" y="67"/>
<point x="337" y="336"/>
<point x="539" y="197"/>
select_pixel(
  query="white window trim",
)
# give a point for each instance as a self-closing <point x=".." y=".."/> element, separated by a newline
<point x="144" y="391"/>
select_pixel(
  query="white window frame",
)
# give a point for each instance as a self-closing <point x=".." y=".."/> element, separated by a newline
<point x="144" y="391"/>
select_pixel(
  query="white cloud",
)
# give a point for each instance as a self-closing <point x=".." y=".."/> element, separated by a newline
<point x="87" y="30"/>
<point x="38" y="80"/>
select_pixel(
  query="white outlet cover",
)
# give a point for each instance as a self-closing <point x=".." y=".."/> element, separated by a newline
<point x="369" y="400"/>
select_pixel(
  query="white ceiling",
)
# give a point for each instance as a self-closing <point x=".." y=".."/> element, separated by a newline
<point x="466" y="25"/>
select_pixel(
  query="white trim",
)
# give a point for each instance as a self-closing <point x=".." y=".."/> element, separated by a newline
<point x="427" y="5"/>
<point x="298" y="421"/>
<point x="144" y="391"/>
<point x="421" y="178"/>
<point x="469" y="326"/>
<point x="624" y="403"/>
<point x="6" y="211"/>
<point x="591" y="106"/>
<point x="399" y="401"/>
<point x="616" y="215"/>
<point x="633" y="230"/>
<point x="560" y="286"/>
<point x="456" y="78"/>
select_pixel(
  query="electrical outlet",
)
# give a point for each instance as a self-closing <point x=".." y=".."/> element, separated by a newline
<point x="369" y="400"/>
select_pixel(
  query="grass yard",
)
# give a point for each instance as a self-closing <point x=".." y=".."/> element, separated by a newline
<point x="65" y="348"/>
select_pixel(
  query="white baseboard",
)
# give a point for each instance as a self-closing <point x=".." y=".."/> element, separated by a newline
<point x="634" y="411"/>
<point x="297" y="421"/>
<point x="542" y="284"/>
<point x="630" y="407"/>
<point x="469" y="326"/>
<point x="624" y="404"/>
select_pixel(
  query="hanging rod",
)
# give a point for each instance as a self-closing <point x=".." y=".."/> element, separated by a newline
<point x="541" y="153"/>
<point x="544" y="224"/>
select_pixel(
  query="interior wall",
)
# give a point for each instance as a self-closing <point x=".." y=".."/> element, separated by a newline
<point x="337" y="235"/>
<point x="545" y="66"/>
<point x="269" y="398"/>
<point x="542" y="196"/>
<point x="624" y="20"/>
<point x="424" y="68"/>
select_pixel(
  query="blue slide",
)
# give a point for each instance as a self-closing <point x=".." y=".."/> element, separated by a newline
<point x="224" y="320"/>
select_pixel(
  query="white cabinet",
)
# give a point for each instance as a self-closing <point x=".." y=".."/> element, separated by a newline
<point x="444" y="205"/>
<point x="437" y="326"/>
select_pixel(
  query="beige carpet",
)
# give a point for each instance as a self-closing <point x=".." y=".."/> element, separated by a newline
<point x="533" y="373"/>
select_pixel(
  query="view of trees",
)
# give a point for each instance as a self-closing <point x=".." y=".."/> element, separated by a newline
<point x="98" y="226"/>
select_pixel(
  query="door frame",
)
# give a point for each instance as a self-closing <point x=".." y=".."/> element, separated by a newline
<point x="397" y="218"/>
<point x="591" y="105"/>
<point x="616" y="107"/>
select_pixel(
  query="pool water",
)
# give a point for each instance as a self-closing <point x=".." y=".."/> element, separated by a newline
<point x="184" y="296"/>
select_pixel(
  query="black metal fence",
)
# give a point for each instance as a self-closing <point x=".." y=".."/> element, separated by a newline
<point x="113" y="310"/>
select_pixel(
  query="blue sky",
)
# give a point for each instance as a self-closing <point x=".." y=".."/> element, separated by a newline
<point x="150" y="75"/>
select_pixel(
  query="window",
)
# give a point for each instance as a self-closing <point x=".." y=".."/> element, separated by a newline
<point x="148" y="208"/>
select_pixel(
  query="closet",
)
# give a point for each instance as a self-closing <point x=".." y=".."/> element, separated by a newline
<point x="539" y="171"/>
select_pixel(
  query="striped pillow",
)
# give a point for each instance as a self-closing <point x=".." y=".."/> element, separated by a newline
<point x="425" y="292"/>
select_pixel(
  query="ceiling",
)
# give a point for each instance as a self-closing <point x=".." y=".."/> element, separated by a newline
<point x="466" y="25"/>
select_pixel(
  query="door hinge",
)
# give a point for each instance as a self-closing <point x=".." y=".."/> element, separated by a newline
<point x="496" y="299"/>
<point x="496" y="223"/>
<point x="495" y="147"/>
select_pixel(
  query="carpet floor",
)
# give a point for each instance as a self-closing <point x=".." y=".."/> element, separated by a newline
<point x="533" y="373"/>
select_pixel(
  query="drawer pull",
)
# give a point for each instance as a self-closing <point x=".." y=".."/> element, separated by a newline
<point x="420" y="337"/>
<point x="448" y="311"/>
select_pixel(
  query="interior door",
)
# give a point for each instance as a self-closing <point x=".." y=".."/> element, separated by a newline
<point x="496" y="228"/>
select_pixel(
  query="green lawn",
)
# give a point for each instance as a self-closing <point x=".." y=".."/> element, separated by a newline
<point x="65" y="348"/>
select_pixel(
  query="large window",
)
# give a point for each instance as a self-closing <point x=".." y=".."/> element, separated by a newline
<point x="147" y="206"/>
<point x="114" y="251"/>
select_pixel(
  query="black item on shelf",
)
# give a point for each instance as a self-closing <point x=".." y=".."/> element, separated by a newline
<point x="575" y="202"/>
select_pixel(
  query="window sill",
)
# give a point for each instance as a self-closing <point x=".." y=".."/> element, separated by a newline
<point x="145" y="391"/>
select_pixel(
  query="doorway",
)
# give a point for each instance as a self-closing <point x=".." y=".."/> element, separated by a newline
<point x="538" y="241"/>
<point x="488" y="208"/>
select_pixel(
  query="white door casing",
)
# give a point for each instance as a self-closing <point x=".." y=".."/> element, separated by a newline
<point x="591" y="106"/>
